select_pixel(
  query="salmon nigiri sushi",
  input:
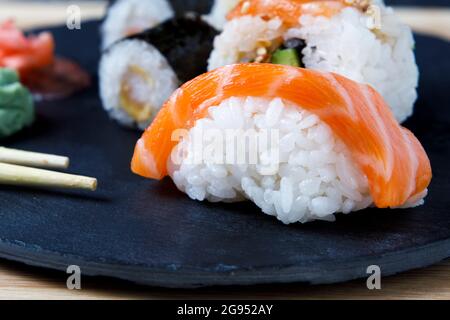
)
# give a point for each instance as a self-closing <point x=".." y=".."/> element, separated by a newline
<point x="360" y="39"/>
<point x="301" y="144"/>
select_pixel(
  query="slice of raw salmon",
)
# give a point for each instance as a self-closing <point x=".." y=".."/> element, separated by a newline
<point x="396" y="165"/>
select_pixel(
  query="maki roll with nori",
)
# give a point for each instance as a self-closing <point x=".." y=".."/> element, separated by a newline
<point x="127" y="17"/>
<point x="138" y="73"/>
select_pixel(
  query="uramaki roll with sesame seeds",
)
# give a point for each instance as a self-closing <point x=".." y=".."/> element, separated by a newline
<point x="360" y="39"/>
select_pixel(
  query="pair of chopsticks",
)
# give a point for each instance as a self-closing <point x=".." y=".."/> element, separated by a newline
<point x="20" y="168"/>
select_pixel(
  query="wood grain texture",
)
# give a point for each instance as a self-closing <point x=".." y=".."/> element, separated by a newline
<point x="32" y="14"/>
<point x="22" y="282"/>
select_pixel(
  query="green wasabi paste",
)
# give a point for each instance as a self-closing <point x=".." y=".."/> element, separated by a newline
<point x="16" y="104"/>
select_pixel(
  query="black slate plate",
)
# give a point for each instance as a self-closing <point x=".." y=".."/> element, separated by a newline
<point x="150" y="233"/>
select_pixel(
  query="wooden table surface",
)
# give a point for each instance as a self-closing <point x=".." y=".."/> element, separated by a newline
<point x="18" y="281"/>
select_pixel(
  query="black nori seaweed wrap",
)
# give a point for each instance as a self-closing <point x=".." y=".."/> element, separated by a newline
<point x="186" y="42"/>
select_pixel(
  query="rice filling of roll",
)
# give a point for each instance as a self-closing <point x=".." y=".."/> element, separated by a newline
<point x="135" y="80"/>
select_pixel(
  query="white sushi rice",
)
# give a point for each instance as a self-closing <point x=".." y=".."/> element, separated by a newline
<point x="344" y="44"/>
<point x="218" y="15"/>
<point x="115" y="65"/>
<point x="137" y="15"/>
<point x="315" y="179"/>
<point x="241" y="38"/>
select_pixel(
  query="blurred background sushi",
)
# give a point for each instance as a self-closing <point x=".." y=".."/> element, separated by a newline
<point x="127" y="17"/>
<point x="140" y="72"/>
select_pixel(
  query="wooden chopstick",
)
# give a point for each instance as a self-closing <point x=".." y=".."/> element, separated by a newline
<point x="11" y="174"/>
<point x="33" y="159"/>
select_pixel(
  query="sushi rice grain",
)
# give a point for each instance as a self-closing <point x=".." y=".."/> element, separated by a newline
<point x="316" y="177"/>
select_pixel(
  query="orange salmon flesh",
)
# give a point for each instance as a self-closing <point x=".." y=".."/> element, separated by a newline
<point x="289" y="11"/>
<point x="394" y="161"/>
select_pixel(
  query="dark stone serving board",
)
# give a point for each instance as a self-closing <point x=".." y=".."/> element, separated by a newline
<point x="148" y="232"/>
